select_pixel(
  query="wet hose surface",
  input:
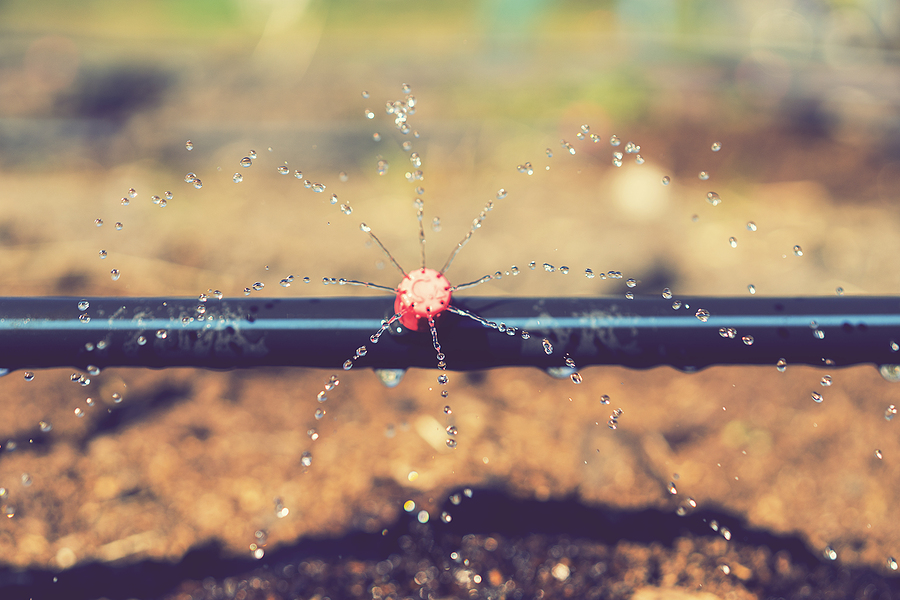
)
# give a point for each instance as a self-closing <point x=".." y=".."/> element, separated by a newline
<point x="688" y="333"/>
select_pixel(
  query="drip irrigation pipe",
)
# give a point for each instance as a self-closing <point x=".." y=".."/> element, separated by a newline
<point x="325" y="332"/>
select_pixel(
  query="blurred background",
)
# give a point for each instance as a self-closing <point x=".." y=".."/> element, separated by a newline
<point x="801" y="98"/>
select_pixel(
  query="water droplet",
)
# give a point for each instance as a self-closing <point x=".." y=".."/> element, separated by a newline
<point x="548" y="347"/>
<point x="732" y="241"/>
<point x="631" y="283"/>
<point x="604" y="399"/>
<point x="576" y="378"/>
<point x="188" y="178"/>
<point x="829" y="553"/>
<point x="751" y="226"/>
<point x="103" y="254"/>
<point x="443" y="379"/>
<point x="667" y="293"/>
<point x="878" y="454"/>
<point x="702" y="314"/>
<point x="501" y="194"/>
<point x="45" y="426"/>
<point x="703" y="175"/>
<point x="320" y="414"/>
<point x="751" y="288"/>
<point x="818" y="334"/>
<point x="245" y="162"/>
<point x="894" y="346"/>
<point x="382" y="166"/>
<point x="638" y="159"/>
<point x="817" y="397"/>
<point x="716" y="146"/>
<point x="26" y="479"/>
<point x="451" y="430"/>
<point x="126" y="201"/>
<point x="98" y="222"/>
<point x="282" y="169"/>
<point x="798" y="251"/>
<point x="666" y="180"/>
<point x="549" y="268"/>
<point x="713" y="198"/>
<point x="84" y="318"/>
<point x="748" y="340"/>
<point x="348" y="364"/>
<point x="825" y="381"/>
<point x="890" y="412"/>
<point x="672" y="489"/>
<point x="891" y="563"/>
<point x="676" y="305"/>
<point x="306" y="459"/>
<point x="451" y="443"/>
<point x="781" y="365"/>
<point x="614" y="141"/>
<point x="197" y="184"/>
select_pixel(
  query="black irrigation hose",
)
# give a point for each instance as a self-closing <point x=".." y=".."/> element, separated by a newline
<point x="325" y="332"/>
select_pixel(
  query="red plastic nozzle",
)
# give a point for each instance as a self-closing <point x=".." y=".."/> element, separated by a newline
<point x="422" y="294"/>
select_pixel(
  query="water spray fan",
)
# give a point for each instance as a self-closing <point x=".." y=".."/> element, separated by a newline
<point x="429" y="325"/>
